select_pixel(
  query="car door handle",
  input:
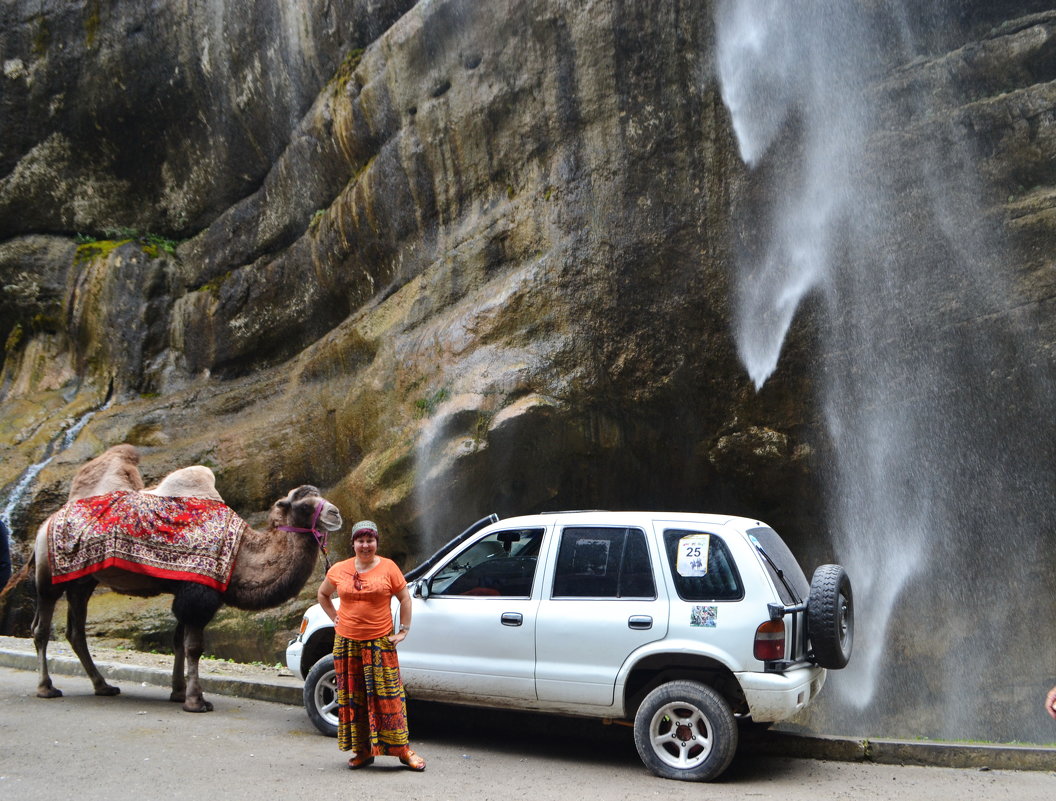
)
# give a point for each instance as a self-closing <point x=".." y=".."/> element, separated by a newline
<point x="639" y="622"/>
<point x="512" y="618"/>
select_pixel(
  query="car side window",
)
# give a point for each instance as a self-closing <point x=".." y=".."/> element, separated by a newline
<point x="603" y="563"/>
<point x="714" y="578"/>
<point x="500" y="565"/>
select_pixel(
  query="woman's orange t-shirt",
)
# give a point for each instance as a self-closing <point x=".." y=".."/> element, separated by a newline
<point x="365" y="614"/>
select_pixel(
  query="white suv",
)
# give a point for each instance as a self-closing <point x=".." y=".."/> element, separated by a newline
<point x="681" y="623"/>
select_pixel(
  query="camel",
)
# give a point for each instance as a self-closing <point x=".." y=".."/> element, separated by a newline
<point x="270" y="567"/>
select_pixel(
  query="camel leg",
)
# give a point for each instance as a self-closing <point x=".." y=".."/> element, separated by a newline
<point x="46" y="600"/>
<point x="193" y="645"/>
<point x="193" y="606"/>
<point x="179" y="681"/>
<point x="76" y="617"/>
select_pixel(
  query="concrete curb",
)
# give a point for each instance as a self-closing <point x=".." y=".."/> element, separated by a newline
<point x="283" y="691"/>
<point x="771" y="743"/>
<point x="885" y="751"/>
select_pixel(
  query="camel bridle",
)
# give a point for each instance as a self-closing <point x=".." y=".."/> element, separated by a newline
<point x="320" y="536"/>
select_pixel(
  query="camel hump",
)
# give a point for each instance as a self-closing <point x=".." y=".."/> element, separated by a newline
<point x="114" y="469"/>
<point x="196" y="481"/>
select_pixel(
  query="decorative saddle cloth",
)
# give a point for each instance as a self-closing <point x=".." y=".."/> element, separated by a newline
<point x="189" y="539"/>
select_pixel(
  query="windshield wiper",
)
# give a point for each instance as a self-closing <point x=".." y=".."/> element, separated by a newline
<point x="780" y="573"/>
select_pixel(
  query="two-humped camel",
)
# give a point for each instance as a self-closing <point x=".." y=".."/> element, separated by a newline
<point x="270" y="567"/>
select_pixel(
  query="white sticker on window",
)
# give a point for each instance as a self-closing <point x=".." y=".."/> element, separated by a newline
<point x="591" y="557"/>
<point x="693" y="555"/>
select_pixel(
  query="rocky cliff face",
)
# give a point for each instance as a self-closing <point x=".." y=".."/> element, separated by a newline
<point x="444" y="258"/>
<point x="482" y="270"/>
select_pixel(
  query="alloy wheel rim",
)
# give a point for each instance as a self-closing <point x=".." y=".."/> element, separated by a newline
<point x="326" y="697"/>
<point x="680" y="735"/>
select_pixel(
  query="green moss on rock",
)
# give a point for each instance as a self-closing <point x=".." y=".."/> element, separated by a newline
<point x="345" y="71"/>
<point x="96" y="249"/>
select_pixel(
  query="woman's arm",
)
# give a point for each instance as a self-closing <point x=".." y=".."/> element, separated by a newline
<point x="404" y="597"/>
<point x="323" y="596"/>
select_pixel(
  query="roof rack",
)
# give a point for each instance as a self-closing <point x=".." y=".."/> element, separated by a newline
<point x="571" y="511"/>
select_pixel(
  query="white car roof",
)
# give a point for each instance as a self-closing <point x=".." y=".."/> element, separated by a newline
<point x="602" y="517"/>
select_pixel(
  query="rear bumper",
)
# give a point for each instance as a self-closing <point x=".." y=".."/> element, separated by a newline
<point x="777" y="696"/>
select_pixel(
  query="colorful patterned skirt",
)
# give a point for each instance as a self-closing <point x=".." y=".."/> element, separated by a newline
<point x="372" y="706"/>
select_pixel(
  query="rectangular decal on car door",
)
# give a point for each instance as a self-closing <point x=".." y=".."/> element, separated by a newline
<point x="705" y="616"/>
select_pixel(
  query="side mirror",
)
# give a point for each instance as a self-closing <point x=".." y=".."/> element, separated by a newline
<point x="420" y="589"/>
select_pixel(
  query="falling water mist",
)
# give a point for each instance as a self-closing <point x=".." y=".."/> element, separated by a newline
<point x="939" y="492"/>
<point x="61" y="442"/>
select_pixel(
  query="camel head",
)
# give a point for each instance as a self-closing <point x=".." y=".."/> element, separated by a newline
<point x="300" y="510"/>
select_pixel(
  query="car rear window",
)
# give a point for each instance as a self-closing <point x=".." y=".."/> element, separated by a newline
<point x="712" y="579"/>
<point x="784" y="565"/>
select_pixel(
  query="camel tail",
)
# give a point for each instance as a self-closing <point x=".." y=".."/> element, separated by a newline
<point x="20" y="576"/>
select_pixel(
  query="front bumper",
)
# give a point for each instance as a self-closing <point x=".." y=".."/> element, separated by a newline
<point x="293" y="657"/>
<point x="778" y="696"/>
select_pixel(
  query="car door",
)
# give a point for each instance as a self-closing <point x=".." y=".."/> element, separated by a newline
<point x="604" y="602"/>
<point x="473" y="629"/>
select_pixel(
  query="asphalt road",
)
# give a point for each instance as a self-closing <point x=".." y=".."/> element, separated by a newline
<point x="140" y="746"/>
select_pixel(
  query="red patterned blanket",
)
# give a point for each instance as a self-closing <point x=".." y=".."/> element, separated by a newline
<point x="190" y="539"/>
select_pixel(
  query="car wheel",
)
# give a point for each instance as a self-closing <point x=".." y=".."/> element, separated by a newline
<point x="320" y="695"/>
<point x="685" y="730"/>
<point x="830" y="617"/>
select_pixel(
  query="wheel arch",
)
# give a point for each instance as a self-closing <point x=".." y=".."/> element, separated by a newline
<point x="655" y="669"/>
<point x="318" y="645"/>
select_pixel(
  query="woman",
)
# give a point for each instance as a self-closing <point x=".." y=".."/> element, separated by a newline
<point x="372" y="706"/>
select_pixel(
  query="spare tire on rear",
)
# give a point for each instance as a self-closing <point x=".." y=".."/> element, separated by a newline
<point x="830" y="617"/>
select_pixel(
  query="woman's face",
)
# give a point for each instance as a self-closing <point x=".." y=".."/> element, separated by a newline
<point x="365" y="546"/>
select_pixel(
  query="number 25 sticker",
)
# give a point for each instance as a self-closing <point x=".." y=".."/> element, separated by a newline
<point x="693" y="555"/>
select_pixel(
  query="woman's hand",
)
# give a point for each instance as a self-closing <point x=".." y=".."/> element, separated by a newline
<point x="404" y="597"/>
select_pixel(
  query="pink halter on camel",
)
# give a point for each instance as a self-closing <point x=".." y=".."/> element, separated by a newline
<point x="320" y="536"/>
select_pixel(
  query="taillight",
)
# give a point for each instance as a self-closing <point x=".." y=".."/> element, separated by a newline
<point x="770" y="641"/>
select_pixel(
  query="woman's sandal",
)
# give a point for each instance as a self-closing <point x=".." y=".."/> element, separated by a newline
<point x="413" y="761"/>
<point x="357" y="762"/>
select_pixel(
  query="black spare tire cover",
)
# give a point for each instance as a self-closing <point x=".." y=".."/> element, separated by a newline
<point x="830" y="617"/>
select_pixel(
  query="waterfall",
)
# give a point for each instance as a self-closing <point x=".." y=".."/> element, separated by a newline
<point x="939" y="478"/>
<point x="770" y="71"/>
<point x="63" y="440"/>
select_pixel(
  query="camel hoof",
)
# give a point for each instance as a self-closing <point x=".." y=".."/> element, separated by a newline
<point x="177" y="697"/>
<point x="108" y="689"/>
<point x="204" y="706"/>
<point x="49" y="692"/>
